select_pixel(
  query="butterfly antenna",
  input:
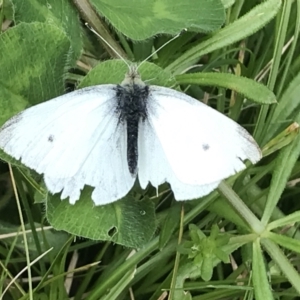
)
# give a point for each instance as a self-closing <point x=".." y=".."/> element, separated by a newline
<point x="102" y="39"/>
<point x="165" y="44"/>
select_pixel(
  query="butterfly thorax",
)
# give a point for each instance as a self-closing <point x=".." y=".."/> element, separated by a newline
<point x="132" y="97"/>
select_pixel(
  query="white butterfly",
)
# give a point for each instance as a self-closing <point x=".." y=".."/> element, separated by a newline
<point x="106" y="136"/>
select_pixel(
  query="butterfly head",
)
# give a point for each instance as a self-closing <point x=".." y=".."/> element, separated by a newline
<point x="133" y="77"/>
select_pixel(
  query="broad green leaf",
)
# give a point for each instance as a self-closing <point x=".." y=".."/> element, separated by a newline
<point x="141" y="19"/>
<point x="245" y="86"/>
<point x="228" y="3"/>
<point x="284" y="241"/>
<point x="113" y="71"/>
<point x="10" y="104"/>
<point x="261" y="284"/>
<point x="8" y="10"/>
<point x="282" y="262"/>
<point x="127" y="222"/>
<point x="55" y="12"/>
<point x="236" y="31"/>
<point x="36" y="56"/>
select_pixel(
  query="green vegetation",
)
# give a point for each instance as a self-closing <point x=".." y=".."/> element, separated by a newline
<point x="240" y="242"/>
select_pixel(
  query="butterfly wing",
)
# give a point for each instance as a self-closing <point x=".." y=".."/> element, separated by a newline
<point x="200" y="145"/>
<point x="155" y="168"/>
<point x="74" y="140"/>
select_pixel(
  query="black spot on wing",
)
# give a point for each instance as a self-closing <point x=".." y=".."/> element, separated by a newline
<point x="205" y="147"/>
<point x="51" y="138"/>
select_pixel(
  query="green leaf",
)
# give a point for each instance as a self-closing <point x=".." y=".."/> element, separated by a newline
<point x="287" y="220"/>
<point x="188" y="270"/>
<point x="204" y="250"/>
<point x="283" y="263"/>
<point x="198" y="259"/>
<point x="236" y="31"/>
<point x="284" y="241"/>
<point x="207" y="268"/>
<point x="223" y="209"/>
<point x="281" y="140"/>
<point x="47" y="238"/>
<point x="287" y="109"/>
<point x="119" y="287"/>
<point x="113" y="71"/>
<point x="245" y="86"/>
<point x="170" y="224"/>
<point x="214" y="231"/>
<point x="141" y="19"/>
<point x="40" y="76"/>
<point x="221" y="255"/>
<point x="10" y="104"/>
<point x="241" y="208"/>
<point x="196" y="234"/>
<point x="228" y="3"/>
<point x="284" y="165"/>
<point x="127" y="222"/>
<point x="185" y="248"/>
<point x="8" y="9"/>
<point x="61" y="14"/>
<point x="261" y="284"/>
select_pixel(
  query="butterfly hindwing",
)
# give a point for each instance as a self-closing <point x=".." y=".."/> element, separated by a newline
<point x="155" y="168"/>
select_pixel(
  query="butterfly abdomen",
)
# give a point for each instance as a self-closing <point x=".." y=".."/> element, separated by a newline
<point x="132" y="107"/>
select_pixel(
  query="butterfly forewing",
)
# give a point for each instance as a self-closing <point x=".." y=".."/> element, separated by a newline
<point x="155" y="168"/>
<point x="74" y="140"/>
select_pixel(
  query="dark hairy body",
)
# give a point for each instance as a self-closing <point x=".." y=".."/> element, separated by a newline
<point x="132" y="109"/>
